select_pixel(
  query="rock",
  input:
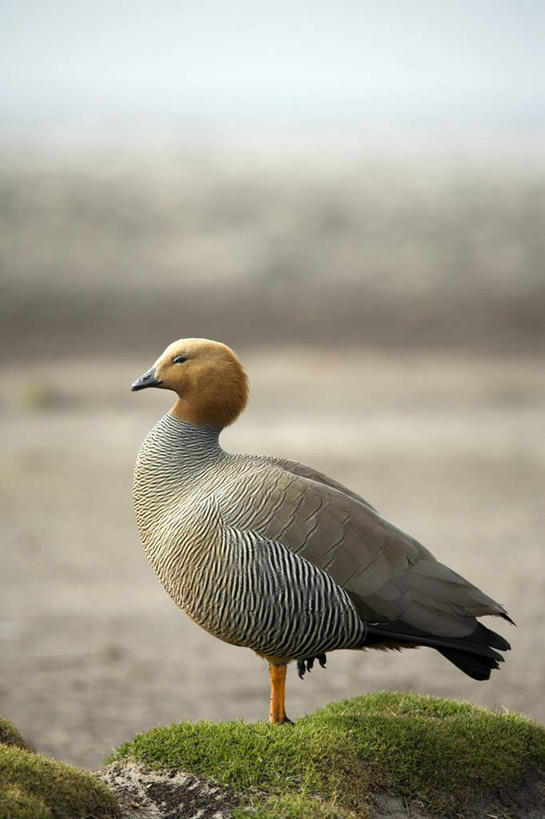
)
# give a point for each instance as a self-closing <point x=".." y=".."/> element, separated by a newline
<point x="147" y="794"/>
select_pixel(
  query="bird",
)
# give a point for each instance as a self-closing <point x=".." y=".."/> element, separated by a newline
<point x="273" y="555"/>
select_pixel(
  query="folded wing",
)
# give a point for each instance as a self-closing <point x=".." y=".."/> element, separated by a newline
<point x="398" y="587"/>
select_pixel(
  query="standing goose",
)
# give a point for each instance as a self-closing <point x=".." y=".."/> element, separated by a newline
<point x="273" y="555"/>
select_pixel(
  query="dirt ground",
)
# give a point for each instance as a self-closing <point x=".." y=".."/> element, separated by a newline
<point x="92" y="649"/>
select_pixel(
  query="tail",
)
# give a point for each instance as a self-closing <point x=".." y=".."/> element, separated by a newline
<point x="476" y="654"/>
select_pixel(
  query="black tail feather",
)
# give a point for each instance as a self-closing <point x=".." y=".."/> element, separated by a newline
<point x="484" y="635"/>
<point x="473" y="665"/>
<point x="473" y="654"/>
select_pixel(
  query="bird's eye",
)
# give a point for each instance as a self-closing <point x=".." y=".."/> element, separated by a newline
<point x="179" y="359"/>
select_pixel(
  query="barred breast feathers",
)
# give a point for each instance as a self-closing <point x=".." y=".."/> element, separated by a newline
<point x="234" y="582"/>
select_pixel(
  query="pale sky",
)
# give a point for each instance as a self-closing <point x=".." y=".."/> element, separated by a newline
<point x="410" y="61"/>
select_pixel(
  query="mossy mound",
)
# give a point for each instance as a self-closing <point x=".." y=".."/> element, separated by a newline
<point x="442" y="753"/>
<point x="9" y="735"/>
<point x="33" y="787"/>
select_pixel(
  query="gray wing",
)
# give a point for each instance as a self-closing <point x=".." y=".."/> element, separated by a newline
<point x="305" y="471"/>
<point x="388" y="574"/>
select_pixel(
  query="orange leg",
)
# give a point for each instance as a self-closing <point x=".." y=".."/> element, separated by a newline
<point x="277" y="674"/>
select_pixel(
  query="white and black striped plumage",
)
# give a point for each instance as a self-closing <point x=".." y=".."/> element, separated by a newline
<point x="203" y="517"/>
<point x="272" y="555"/>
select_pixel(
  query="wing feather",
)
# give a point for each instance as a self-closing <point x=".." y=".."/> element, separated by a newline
<point x="387" y="573"/>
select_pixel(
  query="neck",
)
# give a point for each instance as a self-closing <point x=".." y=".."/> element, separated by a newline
<point x="173" y="458"/>
<point x="212" y="406"/>
<point x="178" y="448"/>
<point x="184" y="411"/>
<point x="188" y="434"/>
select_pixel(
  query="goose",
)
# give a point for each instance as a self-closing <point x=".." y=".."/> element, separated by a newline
<point x="273" y="555"/>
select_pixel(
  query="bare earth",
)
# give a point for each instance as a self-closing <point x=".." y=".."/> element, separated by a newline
<point x="93" y="651"/>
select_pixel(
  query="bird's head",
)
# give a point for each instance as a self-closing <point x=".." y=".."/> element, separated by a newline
<point x="208" y="378"/>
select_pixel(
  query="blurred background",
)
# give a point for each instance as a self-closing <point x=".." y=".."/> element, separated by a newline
<point x="350" y="194"/>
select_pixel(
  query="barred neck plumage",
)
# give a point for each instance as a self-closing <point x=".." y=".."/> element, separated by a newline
<point x="183" y="440"/>
<point x="171" y="459"/>
<point x="190" y="439"/>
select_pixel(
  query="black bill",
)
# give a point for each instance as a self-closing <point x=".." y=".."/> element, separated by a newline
<point x="146" y="380"/>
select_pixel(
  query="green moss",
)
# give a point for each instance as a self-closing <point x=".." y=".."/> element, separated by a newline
<point x="441" y="752"/>
<point x="9" y="735"/>
<point x="17" y="804"/>
<point x="33" y="787"/>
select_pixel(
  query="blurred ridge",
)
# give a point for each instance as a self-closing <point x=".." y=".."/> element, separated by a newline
<point x="99" y="252"/>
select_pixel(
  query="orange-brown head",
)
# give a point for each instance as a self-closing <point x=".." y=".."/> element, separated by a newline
<point x="209" y="379"/>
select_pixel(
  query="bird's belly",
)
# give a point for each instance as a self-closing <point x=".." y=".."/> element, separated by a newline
<point x="245" y="591"/>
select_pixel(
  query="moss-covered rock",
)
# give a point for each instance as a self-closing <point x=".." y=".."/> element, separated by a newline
<point x="442" y="753"/>
<point x="33" y="787"/>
